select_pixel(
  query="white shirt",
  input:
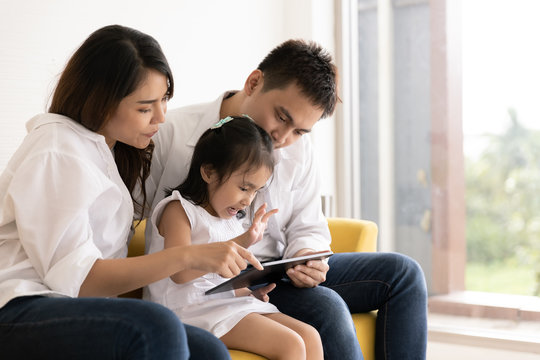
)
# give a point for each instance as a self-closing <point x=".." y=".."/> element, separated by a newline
<point x="294" y="188"/>
<point x="62" y="206"/>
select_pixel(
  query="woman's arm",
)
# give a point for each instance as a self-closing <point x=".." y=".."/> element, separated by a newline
<point x="112" y="277"/>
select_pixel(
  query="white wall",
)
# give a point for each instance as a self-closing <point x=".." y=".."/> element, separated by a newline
<point x="211" y="45"/>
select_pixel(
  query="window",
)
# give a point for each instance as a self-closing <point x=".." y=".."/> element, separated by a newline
<point x="405" y="116"/>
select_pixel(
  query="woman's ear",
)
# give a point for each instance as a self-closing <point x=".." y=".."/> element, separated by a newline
<point x="254" y="80"/>
<point x="207" y="173"/>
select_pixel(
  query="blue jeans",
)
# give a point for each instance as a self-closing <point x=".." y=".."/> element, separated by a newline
<point x="36" y="327"/>
<point x="391" y="283"/>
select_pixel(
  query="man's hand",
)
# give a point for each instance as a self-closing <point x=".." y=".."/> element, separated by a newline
<point x="309" y="275"/>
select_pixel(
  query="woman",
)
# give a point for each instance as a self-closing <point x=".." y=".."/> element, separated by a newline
<point x="66" y="208"/>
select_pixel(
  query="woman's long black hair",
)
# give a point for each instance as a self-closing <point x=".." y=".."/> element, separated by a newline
<point x="106" y="68"/>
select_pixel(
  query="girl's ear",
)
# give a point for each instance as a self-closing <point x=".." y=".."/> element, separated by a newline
<point x="207" y="173"/>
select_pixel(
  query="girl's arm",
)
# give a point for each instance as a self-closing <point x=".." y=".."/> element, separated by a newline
<point x="175" y="228"/>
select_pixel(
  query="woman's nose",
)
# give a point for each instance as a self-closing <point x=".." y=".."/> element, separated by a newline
<point x="159" y="114"/>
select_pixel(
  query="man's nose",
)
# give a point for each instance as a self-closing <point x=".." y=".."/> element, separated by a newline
<point x="280" y="137"/>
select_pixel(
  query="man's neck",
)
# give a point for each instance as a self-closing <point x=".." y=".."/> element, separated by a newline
<point x="230" y="106"/>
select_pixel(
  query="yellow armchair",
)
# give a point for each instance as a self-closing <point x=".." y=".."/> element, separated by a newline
<point x="348" y="235"/>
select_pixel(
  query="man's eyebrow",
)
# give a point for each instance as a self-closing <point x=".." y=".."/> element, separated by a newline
<point x="291" y="120"/>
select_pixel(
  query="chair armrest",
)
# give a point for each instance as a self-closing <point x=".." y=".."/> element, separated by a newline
<point x="352" y="235"/>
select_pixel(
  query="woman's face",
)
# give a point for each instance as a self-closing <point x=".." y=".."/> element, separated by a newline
<point x="139" y="114"/>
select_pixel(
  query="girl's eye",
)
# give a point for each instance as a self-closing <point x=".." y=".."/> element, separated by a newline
<point x="243" y="189"/>
<point x="145" y="111"/>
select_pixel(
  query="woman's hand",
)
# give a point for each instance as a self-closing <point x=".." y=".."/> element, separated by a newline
<point x="224" y="258"/>
<point x="256" y="230"/>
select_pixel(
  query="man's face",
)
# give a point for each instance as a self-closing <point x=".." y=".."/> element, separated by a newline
<point x="286" y="114"/>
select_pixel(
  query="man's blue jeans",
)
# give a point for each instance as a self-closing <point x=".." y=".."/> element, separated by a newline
<point x="36" y="327"/>
<point x="391" y="283"/>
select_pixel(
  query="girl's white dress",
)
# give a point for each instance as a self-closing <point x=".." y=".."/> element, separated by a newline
<point x="217" y="313"/>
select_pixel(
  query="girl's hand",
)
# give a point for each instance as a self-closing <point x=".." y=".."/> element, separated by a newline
<point x="256" y="230"/>
<point x="260" y="293"/>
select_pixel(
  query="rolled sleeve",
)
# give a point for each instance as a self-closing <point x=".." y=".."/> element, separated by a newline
<point x="67" y="275"/>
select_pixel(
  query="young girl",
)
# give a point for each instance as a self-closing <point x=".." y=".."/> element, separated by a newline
<point x="232" y="160"/>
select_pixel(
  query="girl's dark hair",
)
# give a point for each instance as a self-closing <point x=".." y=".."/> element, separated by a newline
<point x="306" y="64"/>
<point x="106" y="68"/>
<point x="237" y="144"/>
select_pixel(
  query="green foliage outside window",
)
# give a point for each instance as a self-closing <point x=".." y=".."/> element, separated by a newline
<point x="503" y="203"/>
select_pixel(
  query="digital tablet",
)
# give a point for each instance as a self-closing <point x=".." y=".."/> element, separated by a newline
<point x="273" y="271"/>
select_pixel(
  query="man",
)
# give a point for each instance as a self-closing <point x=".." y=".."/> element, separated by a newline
<point x="292" y="88"/>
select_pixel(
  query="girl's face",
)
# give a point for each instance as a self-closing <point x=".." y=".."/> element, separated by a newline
<point x="139" y="114"/>
<point x="236" y="193"/>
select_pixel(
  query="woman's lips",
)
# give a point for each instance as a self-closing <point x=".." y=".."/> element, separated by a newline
<point x="151" y="134"/>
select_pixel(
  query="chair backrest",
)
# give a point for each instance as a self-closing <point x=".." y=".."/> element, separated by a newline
<point x="348" y="235"/>
<point x="353" y="235"/>
<point x="136" y="244"/>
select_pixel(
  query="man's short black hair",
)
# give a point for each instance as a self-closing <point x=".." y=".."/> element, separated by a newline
<point x="306" y="64"/>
